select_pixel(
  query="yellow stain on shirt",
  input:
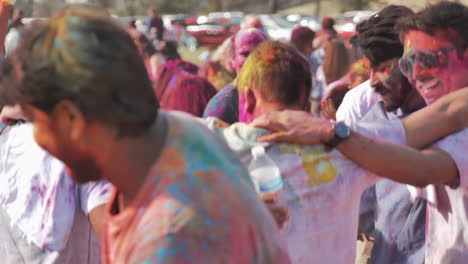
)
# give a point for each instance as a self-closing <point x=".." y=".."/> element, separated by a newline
<point x="315" y="162"/>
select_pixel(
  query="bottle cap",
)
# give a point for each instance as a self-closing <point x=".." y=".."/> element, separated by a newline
<point x="257" y="151"/>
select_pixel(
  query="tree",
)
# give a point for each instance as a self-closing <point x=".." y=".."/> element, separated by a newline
<point x="46" y="8"/>
<point x="272" y="6"/>
<point x="102" y="3"/>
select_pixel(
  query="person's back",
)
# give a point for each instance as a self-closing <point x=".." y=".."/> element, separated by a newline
<point x="206" y="207"/>
<point x="321" y="192"/>
<point x="321" y="189"/>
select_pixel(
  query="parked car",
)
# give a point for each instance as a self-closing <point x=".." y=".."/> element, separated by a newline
<point x="346" y="23"/>
<point x="209" y="34"/>
<point x="276" y="27"/>
<point x="304" y="20"/>
<point x="233" y="18"/>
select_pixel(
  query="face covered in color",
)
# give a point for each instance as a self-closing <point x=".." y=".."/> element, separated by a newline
<point x="245" y="42"/>
<point x="388" y="81"/>
<point x="433" y="64"/>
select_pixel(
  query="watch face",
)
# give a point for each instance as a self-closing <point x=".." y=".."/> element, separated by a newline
<point x="342" y="130"/>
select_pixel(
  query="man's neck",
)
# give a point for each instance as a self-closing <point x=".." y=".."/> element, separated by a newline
<point x="131" y="159"/>
<point x="413" y="102"/>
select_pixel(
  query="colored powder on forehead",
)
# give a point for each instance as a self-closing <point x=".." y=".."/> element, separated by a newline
<point x="408" y="43"/>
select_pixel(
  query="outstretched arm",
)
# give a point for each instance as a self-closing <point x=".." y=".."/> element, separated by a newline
<point x="400" y="163"/>
<point x="446" y="116"/>
<point x="397" y="162"/>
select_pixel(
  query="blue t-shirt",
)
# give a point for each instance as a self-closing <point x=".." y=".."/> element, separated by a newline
<point x="224" y="105"/>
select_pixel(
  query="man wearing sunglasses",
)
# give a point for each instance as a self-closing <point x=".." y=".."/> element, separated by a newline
<point x="436" y="61"/>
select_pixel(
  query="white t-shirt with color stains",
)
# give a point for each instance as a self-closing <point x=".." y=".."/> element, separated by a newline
<point x="321" y="191"/>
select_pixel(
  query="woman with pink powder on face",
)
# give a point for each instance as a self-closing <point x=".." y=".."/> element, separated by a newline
<point x="224" y="105"/>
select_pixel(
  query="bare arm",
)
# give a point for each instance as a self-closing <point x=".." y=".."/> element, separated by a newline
<point x="400" y="163"/>
<point x="396" y="162"/>
<point x="96" y="218"/>
<point x="446" y="116"/>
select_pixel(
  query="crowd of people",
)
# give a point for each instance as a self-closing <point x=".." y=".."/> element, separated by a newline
<point x="114" y="149"/>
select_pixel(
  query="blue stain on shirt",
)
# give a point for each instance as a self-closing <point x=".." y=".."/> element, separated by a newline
<point x="208" y="222"/>
<point x="174" y="190"/>
<point x="161" y="254"/>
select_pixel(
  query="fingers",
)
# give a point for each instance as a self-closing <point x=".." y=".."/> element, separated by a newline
<point x="282" y="136"/>
<point x="268" y="122"/>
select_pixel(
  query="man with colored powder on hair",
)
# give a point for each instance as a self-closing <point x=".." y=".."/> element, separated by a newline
<point x="321" y="189"/>
<point x="224" y="105"/>
<point x="435" y="59"/>
<point x="180" y="195"/>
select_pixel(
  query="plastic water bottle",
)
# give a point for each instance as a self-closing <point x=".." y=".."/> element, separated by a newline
<point x="265" y="173"/>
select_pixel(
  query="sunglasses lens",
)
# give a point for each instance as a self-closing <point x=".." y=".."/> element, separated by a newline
<point x="428" y="60"/>
<point x="406" y="66"/>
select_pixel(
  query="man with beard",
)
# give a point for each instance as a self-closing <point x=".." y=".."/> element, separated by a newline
<point x="399" y="224"/>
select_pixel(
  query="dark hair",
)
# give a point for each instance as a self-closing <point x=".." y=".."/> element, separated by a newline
<point x="83" y="56"/>
<point x="302" y="36"/>
<point x="147" y="47"/>
<point x="132" y="23"/>
<point x="328" y="23"/>
<point x="443" y="16"/>
<point x="169" y="49"/>
<point x="278" y="71"/>
<point x="377" y="37"/>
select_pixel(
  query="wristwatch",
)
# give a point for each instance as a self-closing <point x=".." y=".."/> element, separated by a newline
<point x="340" y="132"/>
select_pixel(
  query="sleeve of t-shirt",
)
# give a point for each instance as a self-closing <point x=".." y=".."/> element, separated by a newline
<point x="94" y="194"/>
<point x="388" y="130"/>
<point x="456" y="145"/>
<point x="356" y="103"/>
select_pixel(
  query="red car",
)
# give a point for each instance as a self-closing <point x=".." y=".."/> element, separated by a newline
<point x="210" y="33"/>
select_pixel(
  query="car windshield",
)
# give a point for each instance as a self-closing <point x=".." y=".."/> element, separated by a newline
<point x="281" y="22"/>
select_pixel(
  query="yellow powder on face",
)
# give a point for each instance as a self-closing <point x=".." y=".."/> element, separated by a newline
<point x="408" y="44"/>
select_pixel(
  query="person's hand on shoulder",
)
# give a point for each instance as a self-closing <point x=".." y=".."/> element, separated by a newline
<point x="294" y="127"/>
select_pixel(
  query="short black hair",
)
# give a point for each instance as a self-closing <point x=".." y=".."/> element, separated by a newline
<point x="443" y="16"/>
<point x="377" y="37"/>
